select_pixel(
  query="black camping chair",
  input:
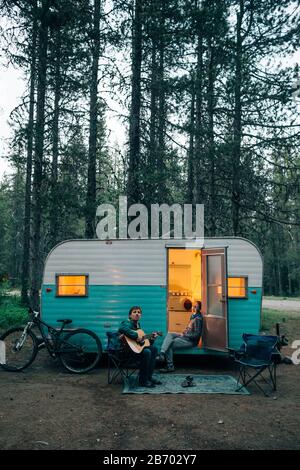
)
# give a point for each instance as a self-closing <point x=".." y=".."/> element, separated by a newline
<point x="121" y="362"/>
<point x="257" y="354"/>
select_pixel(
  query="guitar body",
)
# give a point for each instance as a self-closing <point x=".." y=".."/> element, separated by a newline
<point x="138" y="347"/>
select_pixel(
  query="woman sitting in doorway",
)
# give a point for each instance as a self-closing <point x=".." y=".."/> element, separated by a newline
<point x="187" y="339"/>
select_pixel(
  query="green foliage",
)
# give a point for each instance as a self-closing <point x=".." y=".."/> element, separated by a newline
<point x="4" y="224"/>
<point x="271" y="317"/>
<point x="11" y="218"/>
<point x="11" y="310"/>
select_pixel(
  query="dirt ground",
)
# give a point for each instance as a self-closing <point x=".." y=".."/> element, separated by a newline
<point x="47" y="408"/>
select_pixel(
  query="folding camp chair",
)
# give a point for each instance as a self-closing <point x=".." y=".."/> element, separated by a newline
<point x="257" y="354"/>
<point x="121" y="362"/>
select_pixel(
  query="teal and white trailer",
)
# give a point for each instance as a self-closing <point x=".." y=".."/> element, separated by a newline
<point x="95" y="282"/>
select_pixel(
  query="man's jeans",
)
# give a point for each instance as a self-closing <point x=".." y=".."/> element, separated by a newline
<point x="147" y="364"/>
<point x="174" y="341"/>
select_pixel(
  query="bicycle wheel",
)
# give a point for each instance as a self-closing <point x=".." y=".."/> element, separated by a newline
<point x="80" y="351"/>
<point x="20" y="351"/>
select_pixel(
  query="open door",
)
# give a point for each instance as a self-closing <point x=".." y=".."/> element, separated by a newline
<point x="184" y="286"/>
<point x="214" y="298"/>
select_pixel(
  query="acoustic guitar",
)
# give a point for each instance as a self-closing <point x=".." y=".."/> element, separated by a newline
<point x="134" y="345"/>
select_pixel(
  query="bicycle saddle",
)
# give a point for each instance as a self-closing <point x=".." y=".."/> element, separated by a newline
<point x="66" y="321"/>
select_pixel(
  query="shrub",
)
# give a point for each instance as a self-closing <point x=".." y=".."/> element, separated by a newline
<point x="12" y="312"/>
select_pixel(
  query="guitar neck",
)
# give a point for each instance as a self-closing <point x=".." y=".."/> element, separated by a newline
<point x="147" y="336"/>
<point x="151" y="334"/>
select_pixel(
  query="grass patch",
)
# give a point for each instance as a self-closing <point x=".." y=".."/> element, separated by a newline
<point x="12" y="312"/>
<point x="271" y="317"/>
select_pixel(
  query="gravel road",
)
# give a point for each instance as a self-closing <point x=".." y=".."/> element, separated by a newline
<point x="287" y="305"/>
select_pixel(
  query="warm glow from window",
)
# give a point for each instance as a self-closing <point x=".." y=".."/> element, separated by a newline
<point x="237" y="287"/>
<point x="184" y="272"/>
<point x="73" y="286"/>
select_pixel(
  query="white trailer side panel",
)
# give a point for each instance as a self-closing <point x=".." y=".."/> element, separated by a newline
<point x="142" y="262"/>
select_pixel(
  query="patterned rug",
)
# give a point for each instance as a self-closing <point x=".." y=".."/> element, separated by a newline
<point x="171" y="383"/>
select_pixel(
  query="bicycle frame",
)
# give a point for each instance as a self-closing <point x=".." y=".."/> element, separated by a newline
<point x="54" y="333"/>
<point x="72" y="346"/>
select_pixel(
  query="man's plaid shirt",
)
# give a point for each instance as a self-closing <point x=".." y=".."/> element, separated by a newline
<point x="193" y="331"/>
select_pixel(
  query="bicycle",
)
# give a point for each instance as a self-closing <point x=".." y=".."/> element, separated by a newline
<point x="78" y="350"/>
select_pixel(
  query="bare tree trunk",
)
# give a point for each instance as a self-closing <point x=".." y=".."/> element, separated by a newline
<point x="191" y="151"/>
<point x="237" y="124"/>
<point x="133" y="188"/>
<point x="27" y="209"/>
<point x="211" y="143"/>
<point x="290" y="291"/>
<point x="16" y="227"/>
<point x="55" y="143"/>
<point x="198" y="190"/>
<point x="152" y="162"/>
<point x="161" y="170"/>
<point x="153" y="105"/>
<point x="38" y="152"/>
<point x="274" y="266"/>
<point x="91" y="184"/>
<point x="279" y="276"/>
<point x="279" y="243"/>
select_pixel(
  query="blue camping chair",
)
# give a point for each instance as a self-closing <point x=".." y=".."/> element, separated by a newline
<point x="120" y="361"/>
<point x="257" y="354"/>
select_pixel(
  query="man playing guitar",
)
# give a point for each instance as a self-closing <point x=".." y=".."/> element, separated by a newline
<point x="148" y="355"/>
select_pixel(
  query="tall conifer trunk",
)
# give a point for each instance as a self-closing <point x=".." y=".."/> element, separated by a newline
<point x="54" y="209"/>
<point x="152" y="162"/>
<point x="191" y="150"/>
<point x="134" y="186"/>
<point x="161" y="170"/>
<point x="198" y="190"/>
<point x="211" y="142"/>
<point x="38" y="152"/>
<point x="237" y="124"/>
<point x="91" y="183"/>
<point x="27" y="206"/>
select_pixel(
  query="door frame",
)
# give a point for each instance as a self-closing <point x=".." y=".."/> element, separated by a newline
<point x="175" y="247"/>
<point x="224" y="267"/>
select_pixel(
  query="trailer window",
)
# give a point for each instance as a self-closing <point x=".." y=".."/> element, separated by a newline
<point x="237" y="287"/>
<point x="71" y="285"/>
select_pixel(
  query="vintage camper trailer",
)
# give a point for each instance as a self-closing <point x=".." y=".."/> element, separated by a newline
<point x="95" y="282"/>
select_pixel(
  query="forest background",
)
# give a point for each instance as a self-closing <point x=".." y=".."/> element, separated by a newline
<point x="165" y="101"/>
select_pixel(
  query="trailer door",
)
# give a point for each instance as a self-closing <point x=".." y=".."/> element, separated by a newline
<point x="214" y="298"/>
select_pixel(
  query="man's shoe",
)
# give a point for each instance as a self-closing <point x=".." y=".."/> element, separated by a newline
<point x="167" y="369"/>
<point x="147" y="384"/>
<point x="188" y="382"/>
<point x="155" y="381"/>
